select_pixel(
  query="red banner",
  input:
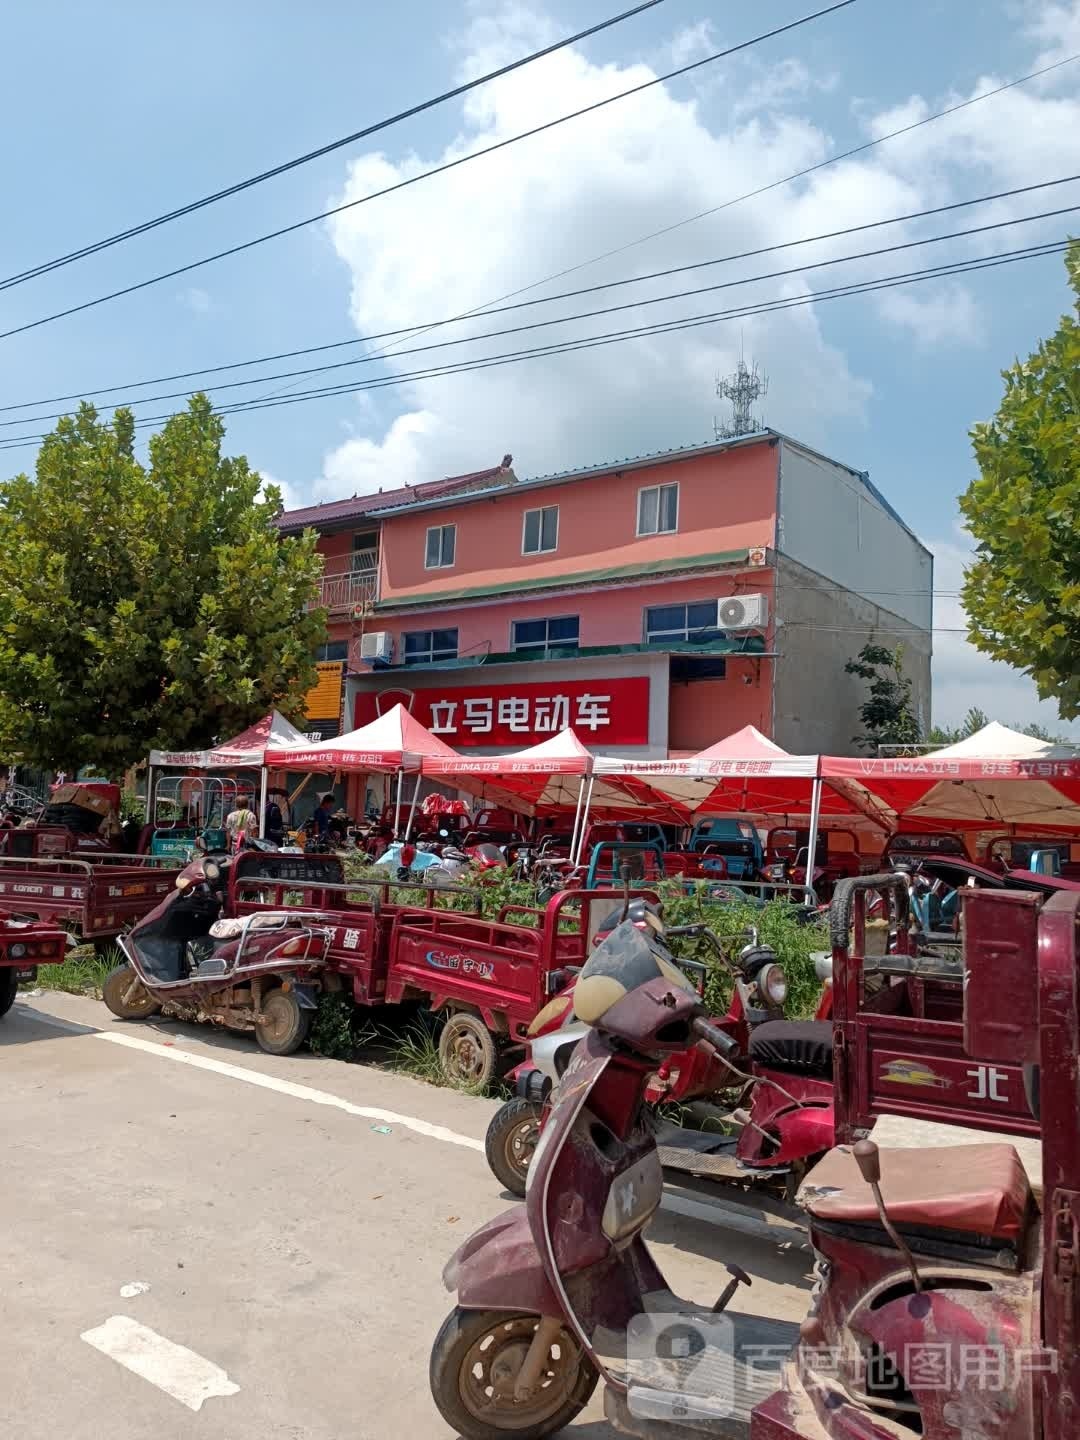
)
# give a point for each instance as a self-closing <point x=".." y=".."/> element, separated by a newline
<point x="603" y="712"/>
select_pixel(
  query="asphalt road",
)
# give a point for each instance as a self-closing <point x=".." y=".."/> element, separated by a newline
<point x="190" y="1223"/>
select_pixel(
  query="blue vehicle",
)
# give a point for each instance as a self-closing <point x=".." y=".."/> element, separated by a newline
<point x="646" y="862"/>
<point x="736" y="842"/>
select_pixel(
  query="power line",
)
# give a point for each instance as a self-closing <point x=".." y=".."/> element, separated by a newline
<point x="658" y="328"/>
<point x="414" y="179"/>
<point x="252" y="180"/>
<point x="591" y="314"/>
<point x="410" y="330"/>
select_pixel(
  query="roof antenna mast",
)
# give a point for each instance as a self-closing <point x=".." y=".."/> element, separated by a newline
<point x="742" y="389"/>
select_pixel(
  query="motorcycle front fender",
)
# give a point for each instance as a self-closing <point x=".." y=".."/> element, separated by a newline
<point x="498" y="1268"/>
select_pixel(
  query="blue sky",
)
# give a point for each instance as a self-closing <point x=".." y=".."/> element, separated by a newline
<point x="115" y="113"/>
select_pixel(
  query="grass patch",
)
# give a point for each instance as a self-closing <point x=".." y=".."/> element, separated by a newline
<point x="83" y="972"/>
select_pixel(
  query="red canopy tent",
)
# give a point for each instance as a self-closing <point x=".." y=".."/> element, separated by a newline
<point x="548" y="778"/>
<point x="395" y="743"/>
<point x="749" y="774"/>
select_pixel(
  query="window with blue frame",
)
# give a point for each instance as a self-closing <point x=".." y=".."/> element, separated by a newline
<point x="558" y="634"/>
<point x="692" y="623"/>
<point x="422" y="647"/>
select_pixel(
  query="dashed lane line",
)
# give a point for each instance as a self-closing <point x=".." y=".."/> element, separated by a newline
<point x="178" y="1371"/>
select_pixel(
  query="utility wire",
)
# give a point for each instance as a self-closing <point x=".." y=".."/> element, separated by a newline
<point x="414" y="179"/>
<point x="592" y="314"/>
<point x="328" y="149"/>
<point x="613" y="337"/>
<point x="410" y="330"/>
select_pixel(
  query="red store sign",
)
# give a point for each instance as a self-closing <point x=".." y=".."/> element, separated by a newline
<point x="603" y="712"/>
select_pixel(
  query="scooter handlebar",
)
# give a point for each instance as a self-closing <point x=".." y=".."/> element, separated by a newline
<point x="722" y="1043"/>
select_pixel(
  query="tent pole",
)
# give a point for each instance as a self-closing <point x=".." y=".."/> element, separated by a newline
<point x="263" y="784"/>
<point x="412" y="807"/>
<point x="397" y="807"/>
<point x="585" y="819"/>
<point x="815" y="819"/>
<point x="577" y="817"/>
<point x="150" y="794"/>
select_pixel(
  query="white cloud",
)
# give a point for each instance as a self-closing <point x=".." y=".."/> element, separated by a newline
<point x="290" y="496"/>
<point x="195" y="299"/>
<point x="950" y="316"/>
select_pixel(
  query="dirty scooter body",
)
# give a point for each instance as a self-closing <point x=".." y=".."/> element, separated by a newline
<point x="947" y="1305"/>
<point x="259" y="972"/>
<point x="555" y="1295"/>
<point x="782" y="1071"/>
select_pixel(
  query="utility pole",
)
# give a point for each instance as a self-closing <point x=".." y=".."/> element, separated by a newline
<point x="742" y="388"/>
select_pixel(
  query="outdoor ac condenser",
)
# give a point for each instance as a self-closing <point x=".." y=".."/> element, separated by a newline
<point x="742" y="612"/>
<point x="379" y="645"/>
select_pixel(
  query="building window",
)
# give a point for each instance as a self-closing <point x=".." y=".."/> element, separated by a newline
<point x="441" y="544"/>
<point x="658" y="510"/>
<point x="542" y="635"/>
<point x="365" y="550"/>
<point x="540" y="531"/>
<point x="421" y="647"/>
<point x="665" y="624"/>
<point x="336" y="650"/>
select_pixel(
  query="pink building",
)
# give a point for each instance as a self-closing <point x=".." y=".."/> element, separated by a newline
<point x="655" y="604"/>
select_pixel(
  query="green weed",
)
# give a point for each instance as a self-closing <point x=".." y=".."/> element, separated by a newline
<point x="83" y="972"/>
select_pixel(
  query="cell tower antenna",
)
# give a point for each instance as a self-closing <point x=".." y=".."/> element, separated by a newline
<point x="742" y="388"/>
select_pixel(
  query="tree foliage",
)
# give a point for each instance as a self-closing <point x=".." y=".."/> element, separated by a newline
<point x="146" y="605"/>
<point x="1022" y="592"/>
<point x="887" y="712"/>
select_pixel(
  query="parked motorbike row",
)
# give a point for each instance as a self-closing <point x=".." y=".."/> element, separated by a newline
<point x="927" y="1262"/>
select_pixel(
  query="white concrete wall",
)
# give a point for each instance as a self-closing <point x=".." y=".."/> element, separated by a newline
<point x="834" y="524"/>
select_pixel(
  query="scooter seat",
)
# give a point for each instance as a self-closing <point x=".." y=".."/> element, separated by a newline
<point x="968" y="1193"/>
<point x="801" y="1047"/>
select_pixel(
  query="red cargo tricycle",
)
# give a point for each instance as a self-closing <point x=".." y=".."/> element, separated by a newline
<point x="24" y="945"/>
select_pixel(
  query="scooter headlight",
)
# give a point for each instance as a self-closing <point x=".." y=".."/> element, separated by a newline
<point x="212" y="872"/>
<point x="772" y="982"/>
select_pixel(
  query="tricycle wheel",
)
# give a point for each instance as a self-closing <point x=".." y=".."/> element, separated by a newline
<point x="126" y="996"/>
<point x="511" y="1140"/>
<point x="467" y="1051"/>
<point x="9" y="984"/>
<point x="475" y="1361"/>
<point x="284" y="1024"/>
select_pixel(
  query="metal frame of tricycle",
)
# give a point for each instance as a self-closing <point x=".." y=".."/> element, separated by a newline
<point x="914" y="1064"/>
<point x="72" y="896"/>
<point x="237" y="971"/>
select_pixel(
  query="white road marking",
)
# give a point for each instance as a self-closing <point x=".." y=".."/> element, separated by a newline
<point x="181" y="1373"/>
<point x="268" y="1082"/>
<point x="137" y="1287"/>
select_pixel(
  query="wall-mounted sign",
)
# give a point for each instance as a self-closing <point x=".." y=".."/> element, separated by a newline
<point x="603" y="712"/>
<point x="323" y="702"/>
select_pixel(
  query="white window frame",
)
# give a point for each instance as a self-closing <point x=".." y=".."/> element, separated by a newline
<point x="516" y="649"/>
<point x="645" y="490"/>
<point x="541" y="550"/>
<point x="442" y="564"/>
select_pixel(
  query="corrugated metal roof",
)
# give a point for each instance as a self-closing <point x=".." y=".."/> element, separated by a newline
<point x="340" y="512"/>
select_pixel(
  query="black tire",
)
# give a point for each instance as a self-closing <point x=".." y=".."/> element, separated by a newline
<point x="467" y="1052"/>
<point x="126" y="996"/>
<point x="286" y="1024"/>
<point x="9" y="985"/>
<point x="457" y="1391"/>
<point x="511" y="1138"/>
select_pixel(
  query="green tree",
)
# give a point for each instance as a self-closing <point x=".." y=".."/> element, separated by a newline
<point x="146" y="605"/>
<point x="887" y="714"/>
<point x="972" y="722"/>
<point x="1022" y="591"/>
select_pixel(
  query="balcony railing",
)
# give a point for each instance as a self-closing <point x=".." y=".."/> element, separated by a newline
<point x="341" y="592"/>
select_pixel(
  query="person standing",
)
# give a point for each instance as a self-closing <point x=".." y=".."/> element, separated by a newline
<point x="240" y="824"/>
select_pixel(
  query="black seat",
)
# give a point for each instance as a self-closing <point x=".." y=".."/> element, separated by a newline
<point x="802" y="1047"/>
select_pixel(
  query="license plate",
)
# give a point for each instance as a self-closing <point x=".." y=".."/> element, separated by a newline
<point x="26" y="974"/>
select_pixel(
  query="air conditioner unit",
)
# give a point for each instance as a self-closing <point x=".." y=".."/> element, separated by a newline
<point x="742" y="612"/>
<point x="379" y="645"/>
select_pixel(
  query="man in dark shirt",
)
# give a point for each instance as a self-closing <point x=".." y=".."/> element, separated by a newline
<point x="323" y="811"/>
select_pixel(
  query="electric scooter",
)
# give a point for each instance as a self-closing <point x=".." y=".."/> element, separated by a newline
<point x="554" y="1295"/>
